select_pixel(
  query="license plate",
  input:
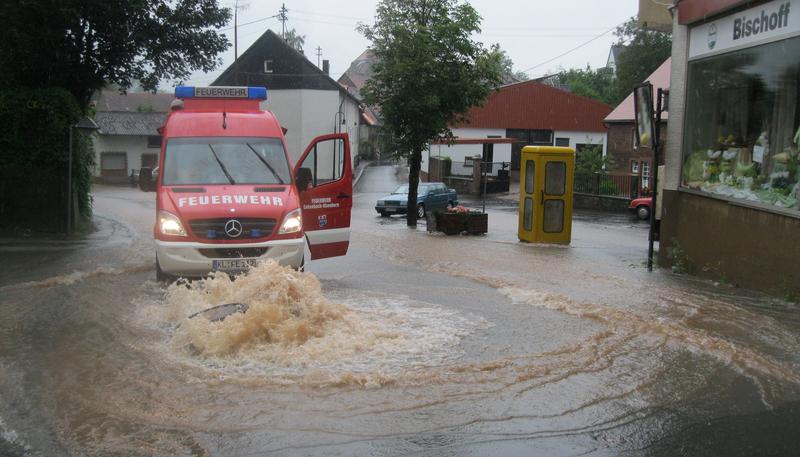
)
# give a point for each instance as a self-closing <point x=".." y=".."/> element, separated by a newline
<point x="390" y="210"/>
<point x="233" y="264"/>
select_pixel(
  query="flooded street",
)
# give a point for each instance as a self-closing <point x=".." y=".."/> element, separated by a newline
<point x="413" y="344"/>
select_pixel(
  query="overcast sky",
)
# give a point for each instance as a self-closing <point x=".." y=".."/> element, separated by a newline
<point x="534" y="33"/>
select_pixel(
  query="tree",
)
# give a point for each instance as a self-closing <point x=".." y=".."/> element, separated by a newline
<point x="506" y="66"/>
<point x="597" y="84"/>
<point x="428" y="73"/>
<point x="83" y="45"/>
<point x="294" y="40"/>
<point x="590" y="160"/>
<point x="645" y="50"/>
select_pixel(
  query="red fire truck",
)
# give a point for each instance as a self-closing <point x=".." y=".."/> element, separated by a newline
<point x="227" y="196"/>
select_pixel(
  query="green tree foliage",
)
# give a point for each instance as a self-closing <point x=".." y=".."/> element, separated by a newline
<point x="506" y="66"/>
<point x="429" y="72"/>
<point x="33" y="157"/>
<point x="81" y="45"/>
<point x="295" y="40"/>
<point x="645" y="50"/>
<point x="597" y="84"/>
<point x="591" y="160"/>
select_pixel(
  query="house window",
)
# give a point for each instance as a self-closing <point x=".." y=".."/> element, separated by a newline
<point x="544" y="137"/>
<point x="268" y="66"/>
<point x="113" y="164"/>
<point x="563" y="142"/>
<point x="645" y="175"/>
<point x="488" y="152"/>
<point x="526" y="137"/>
<point x="154" y="141"/>
<point x="149" y="160"/>
<point x="741" y="135"/>
<point x="635" y="167"/>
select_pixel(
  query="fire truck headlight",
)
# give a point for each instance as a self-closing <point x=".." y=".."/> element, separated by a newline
<point x="292" y="223"/>
<point x="169" y="224"/>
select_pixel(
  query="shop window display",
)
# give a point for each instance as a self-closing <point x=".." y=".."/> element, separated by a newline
<point x="742" y="137"/>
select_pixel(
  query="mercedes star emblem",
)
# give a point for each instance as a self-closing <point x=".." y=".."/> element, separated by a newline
<point x="233" y="228"/>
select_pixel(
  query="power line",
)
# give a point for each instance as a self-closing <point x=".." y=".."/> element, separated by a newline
<point x="249" y="23"/>
<point x="573" y="49"/>
<point x="313" y="13"/>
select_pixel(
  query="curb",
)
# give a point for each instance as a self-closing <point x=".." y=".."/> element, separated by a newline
<point x="360" y="172"/>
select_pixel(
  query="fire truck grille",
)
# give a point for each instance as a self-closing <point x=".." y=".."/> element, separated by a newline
<point x="214" y="229"/>
<point x="232" y="253"/>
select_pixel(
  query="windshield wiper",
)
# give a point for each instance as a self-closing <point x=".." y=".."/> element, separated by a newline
<point x="224" y="170"/>
<point x="272" y="170"/>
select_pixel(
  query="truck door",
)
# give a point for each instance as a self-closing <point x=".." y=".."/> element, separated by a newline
<point x="324" y="178"/>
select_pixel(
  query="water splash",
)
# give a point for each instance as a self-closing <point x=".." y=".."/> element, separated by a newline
<point x="294" y="333"/>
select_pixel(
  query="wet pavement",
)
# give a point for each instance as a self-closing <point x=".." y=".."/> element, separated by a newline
<point x="415" y="343"/>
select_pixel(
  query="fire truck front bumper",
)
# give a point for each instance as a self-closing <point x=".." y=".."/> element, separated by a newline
<point x="191" y="259"/>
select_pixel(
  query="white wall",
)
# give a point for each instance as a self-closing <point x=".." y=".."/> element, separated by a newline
<point x="582" y="138"/>
<point x="134" y="146"/>
<point x="308" y="114"/>
<point x="287" y="107"/>
<point x="671" y="178"/>
<point x="458" y="152"/>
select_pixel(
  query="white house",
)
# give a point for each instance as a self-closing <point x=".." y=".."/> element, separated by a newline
<point x="530" y="112"/>
<point x="128" y="138"/>
<point x="304" y="98"/>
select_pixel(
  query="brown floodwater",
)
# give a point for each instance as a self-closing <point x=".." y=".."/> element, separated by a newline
<point x="413" y="344"/>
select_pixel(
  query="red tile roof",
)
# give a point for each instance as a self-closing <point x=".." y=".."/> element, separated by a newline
<point x="532" y="105"/>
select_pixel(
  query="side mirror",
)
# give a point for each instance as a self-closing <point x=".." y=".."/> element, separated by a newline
<point x="303" y="179"/>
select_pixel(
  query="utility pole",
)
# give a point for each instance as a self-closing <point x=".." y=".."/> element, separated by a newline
<point x="236" y="41"/>
<point x="283" y="18"/>
<point x="319" y="54"/>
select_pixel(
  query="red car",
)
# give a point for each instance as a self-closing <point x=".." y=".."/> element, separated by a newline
<point x="642" y="207"/>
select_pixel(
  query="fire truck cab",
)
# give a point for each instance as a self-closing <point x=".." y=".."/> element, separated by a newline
<point x="227" y="196"/>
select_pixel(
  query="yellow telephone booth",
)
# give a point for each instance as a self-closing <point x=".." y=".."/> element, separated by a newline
<point x="545" y="194"/>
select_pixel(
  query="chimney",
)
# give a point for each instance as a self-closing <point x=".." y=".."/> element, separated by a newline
<point x="326" y="67"/>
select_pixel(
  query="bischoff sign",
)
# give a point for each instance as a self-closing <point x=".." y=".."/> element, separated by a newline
<point x="768" y="22"/>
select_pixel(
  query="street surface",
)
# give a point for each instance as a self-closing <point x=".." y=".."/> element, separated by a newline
<point x="416" y="344"/>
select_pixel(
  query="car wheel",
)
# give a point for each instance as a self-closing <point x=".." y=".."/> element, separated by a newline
<point x="420" y="211"/>
<point x="643" y="212"/>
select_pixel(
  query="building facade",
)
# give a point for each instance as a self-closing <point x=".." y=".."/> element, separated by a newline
<point x="532" y="113"/>
<point x="626" y="157"/>
<point x="128" y="138"/>
<point x="305" y="99"/>
<point x="732" y="174"/>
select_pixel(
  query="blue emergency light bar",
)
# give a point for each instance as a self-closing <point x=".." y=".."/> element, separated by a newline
<point x="251" y="93"/>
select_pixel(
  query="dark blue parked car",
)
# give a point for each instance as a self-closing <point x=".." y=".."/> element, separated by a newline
<point x="431" y="196"/>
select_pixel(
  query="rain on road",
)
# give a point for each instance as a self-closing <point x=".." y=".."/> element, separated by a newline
<point x="413" y="344"/>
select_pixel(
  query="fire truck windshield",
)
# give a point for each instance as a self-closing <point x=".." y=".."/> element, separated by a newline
<point x="225" y="160"/>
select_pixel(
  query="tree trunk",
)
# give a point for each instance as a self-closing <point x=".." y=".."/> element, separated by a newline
<point x="413" y="181"/>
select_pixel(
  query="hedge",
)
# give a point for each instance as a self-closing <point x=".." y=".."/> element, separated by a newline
<point x="34" y="157"/>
